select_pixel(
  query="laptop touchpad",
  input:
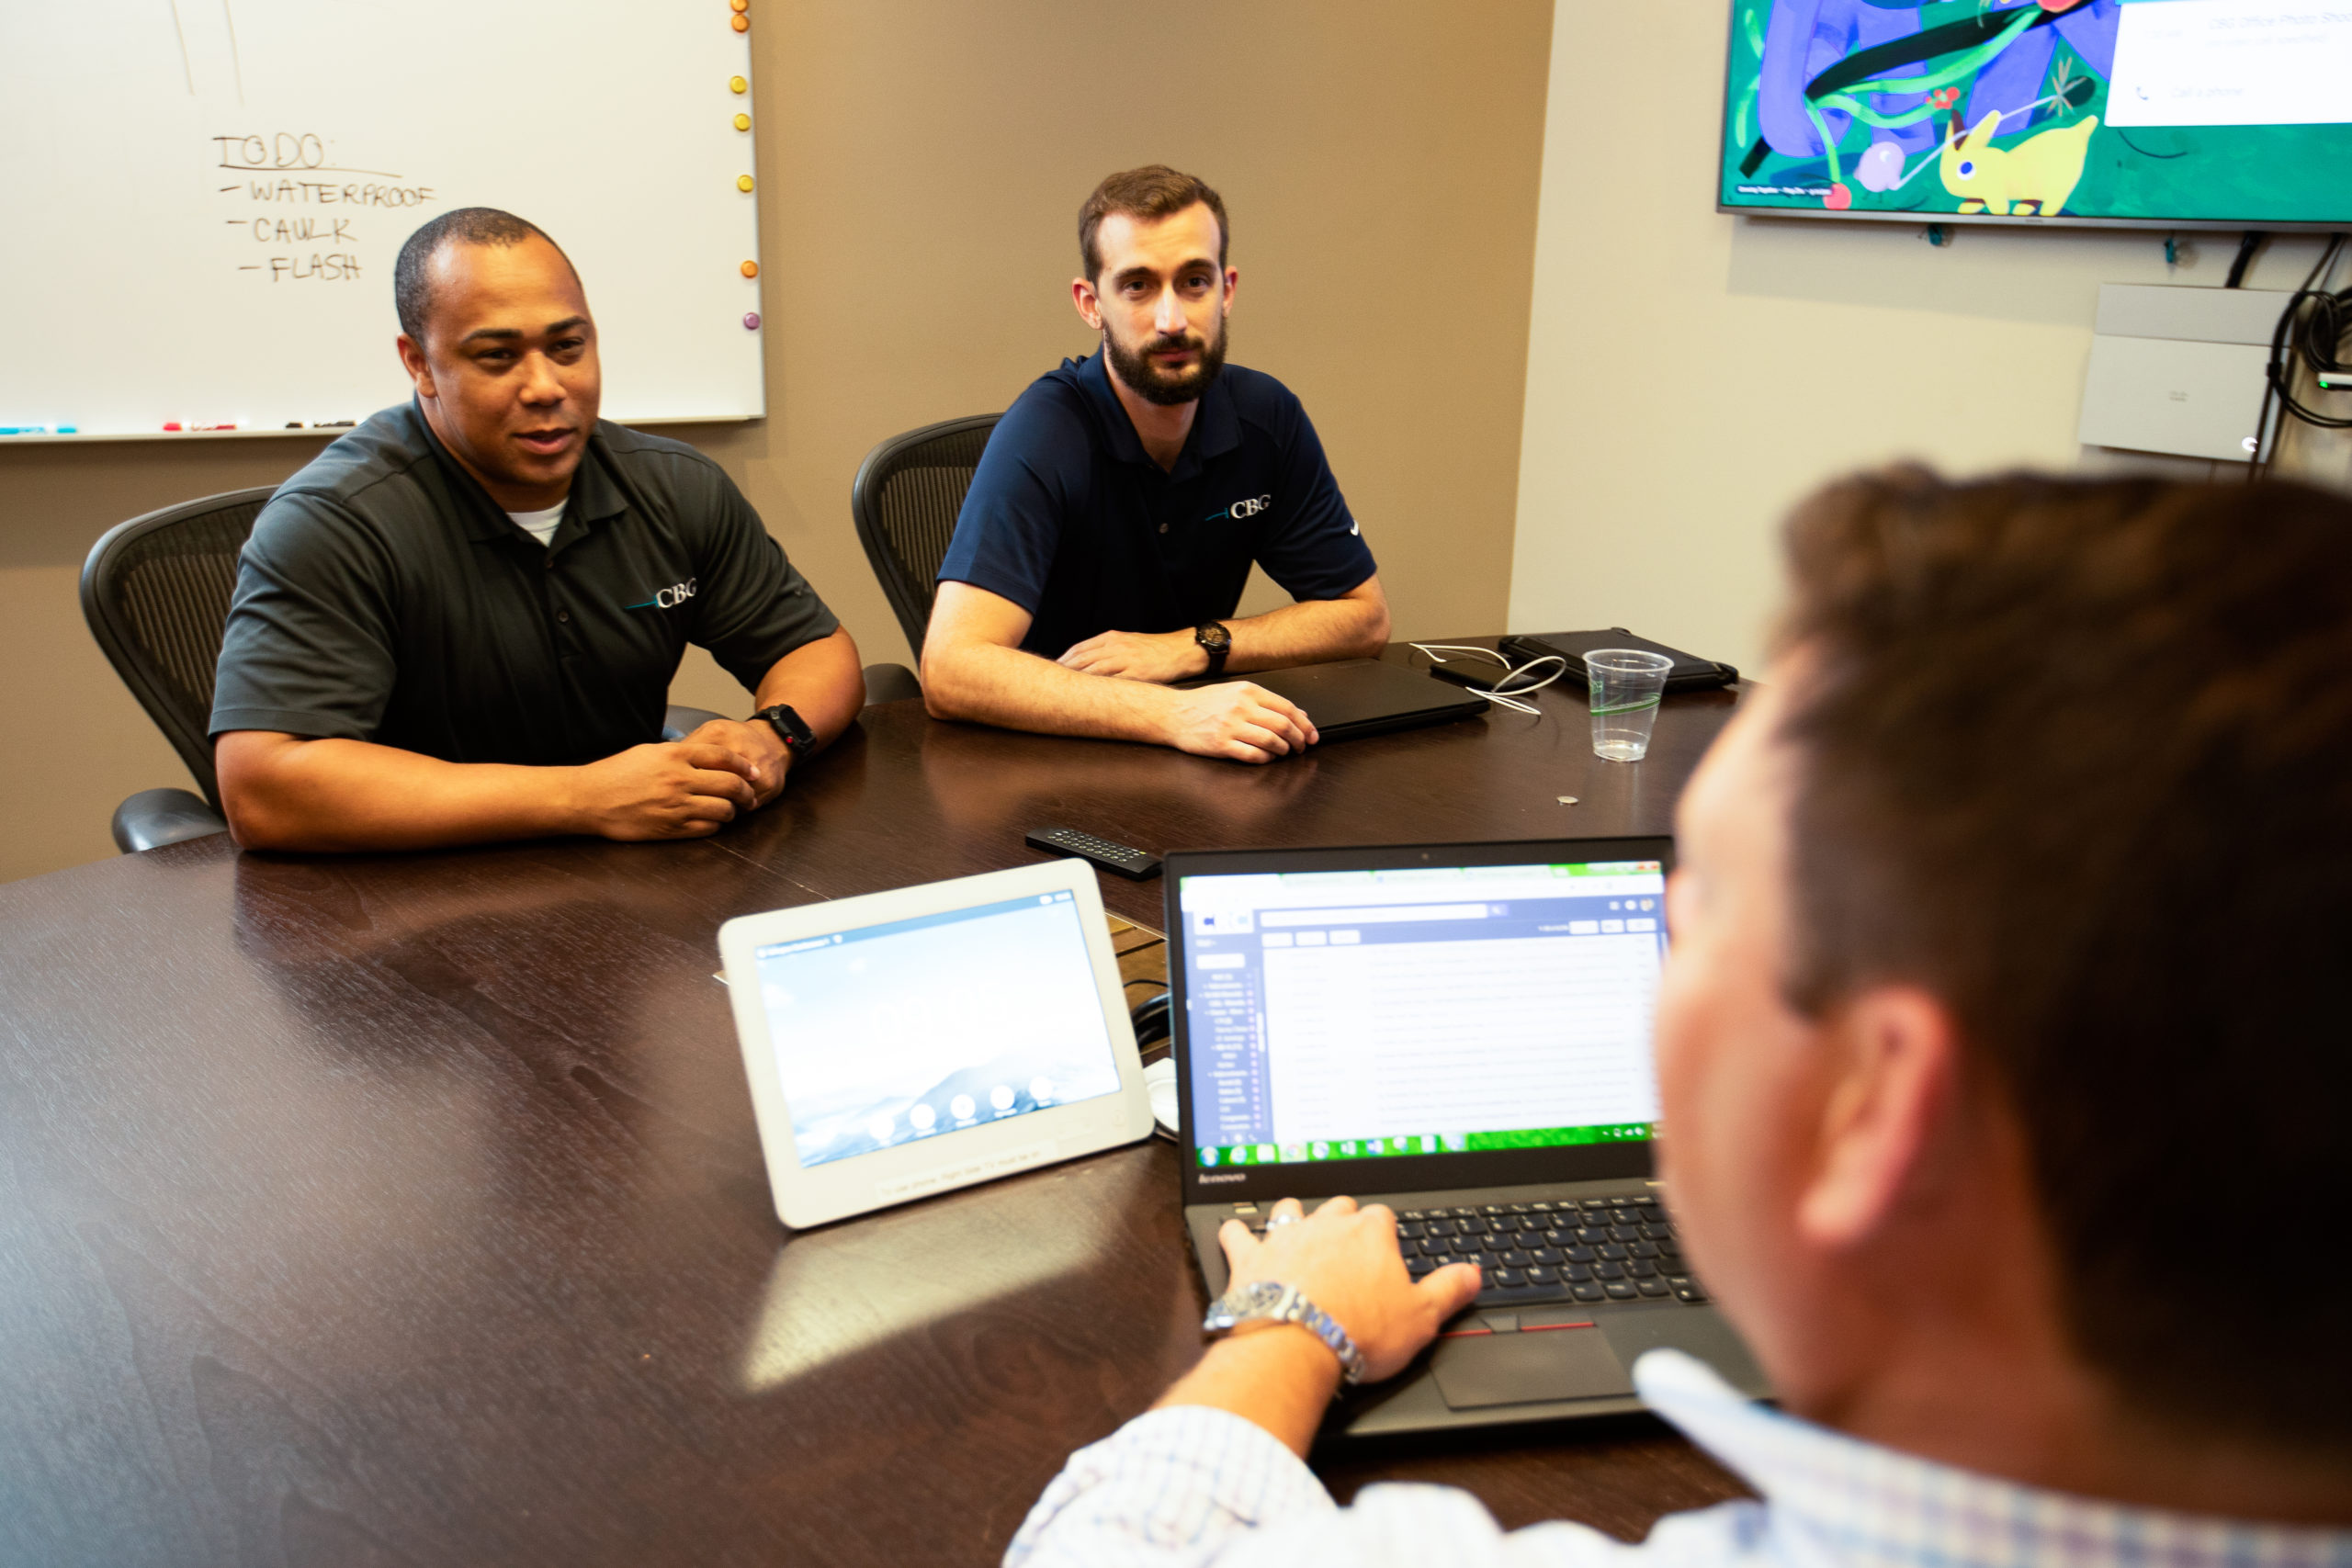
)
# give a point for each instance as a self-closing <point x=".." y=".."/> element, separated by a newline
<point x="1476" y="1371"/>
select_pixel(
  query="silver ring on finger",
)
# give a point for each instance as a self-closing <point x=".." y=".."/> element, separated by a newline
<point x="1275" y="1220"/>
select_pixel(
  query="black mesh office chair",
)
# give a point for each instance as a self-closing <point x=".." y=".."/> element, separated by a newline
<point x="905" y="500"/>
<point x="155" y="592"/>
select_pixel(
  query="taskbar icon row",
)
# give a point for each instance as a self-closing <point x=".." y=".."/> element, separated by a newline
<point x="1423" y="1144"/>
<point x="1344" y="1148"/>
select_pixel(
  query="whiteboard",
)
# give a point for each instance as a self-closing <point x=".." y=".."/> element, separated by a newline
<point x="204" y="198"/>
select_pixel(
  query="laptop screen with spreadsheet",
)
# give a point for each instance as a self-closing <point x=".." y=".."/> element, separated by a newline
<point x="1378" y="1012"/>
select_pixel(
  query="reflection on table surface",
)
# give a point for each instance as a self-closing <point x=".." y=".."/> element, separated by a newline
<point x="410" y="1207"/>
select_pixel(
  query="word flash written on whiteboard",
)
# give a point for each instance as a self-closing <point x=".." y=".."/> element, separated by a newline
<point x="276" y="185"/>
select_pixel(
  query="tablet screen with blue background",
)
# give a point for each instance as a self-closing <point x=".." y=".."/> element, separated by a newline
<point x="918" y="1029"/>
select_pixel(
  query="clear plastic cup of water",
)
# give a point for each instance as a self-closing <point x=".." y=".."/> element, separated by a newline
<point x="1625" y="686"/>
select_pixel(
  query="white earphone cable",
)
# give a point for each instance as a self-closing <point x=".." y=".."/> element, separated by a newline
<point x="1503" y="691"/>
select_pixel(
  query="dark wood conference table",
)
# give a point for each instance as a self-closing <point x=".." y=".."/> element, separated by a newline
<point x="409" y="1209"/>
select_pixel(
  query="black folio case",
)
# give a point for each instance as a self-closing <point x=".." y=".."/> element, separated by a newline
<point x="1690" y="673"/>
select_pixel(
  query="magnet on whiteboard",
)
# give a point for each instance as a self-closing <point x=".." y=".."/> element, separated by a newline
<point x="737" y="84"/>
<point x="739" y="5"/>
<point x="742" y="23"/>
<point x="751" y="269"/>
<point x="751" y="320"/>
<point x="742" y="182"/>
<point x="742" y="122"/>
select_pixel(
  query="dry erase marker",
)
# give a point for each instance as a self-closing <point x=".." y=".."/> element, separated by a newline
<point x="37" y="430"/>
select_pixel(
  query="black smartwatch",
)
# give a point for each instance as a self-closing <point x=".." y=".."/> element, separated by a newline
<point x="1214" y="636"/>
<point x="790" y="727"/>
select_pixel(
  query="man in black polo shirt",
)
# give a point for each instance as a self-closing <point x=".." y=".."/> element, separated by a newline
<point x="1111" y="526"/>
<point x="460" y="621"/>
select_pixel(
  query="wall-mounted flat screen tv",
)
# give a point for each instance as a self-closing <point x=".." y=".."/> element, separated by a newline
<point x="2225" y="114"/>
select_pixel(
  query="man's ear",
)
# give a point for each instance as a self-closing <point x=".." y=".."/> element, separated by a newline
<point x="1883" y="1119"/>
<point x="1090" y="308"/>
<point x="412" y="360"/>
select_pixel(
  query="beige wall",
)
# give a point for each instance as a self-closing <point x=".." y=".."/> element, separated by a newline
<point x="1690" y="375"/>
<point x="921" y="169"/>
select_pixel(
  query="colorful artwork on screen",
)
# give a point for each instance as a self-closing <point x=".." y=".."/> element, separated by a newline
<point x="2157" y="110"/>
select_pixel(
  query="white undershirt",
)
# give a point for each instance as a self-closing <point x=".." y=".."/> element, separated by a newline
<point x="540" y="525"/>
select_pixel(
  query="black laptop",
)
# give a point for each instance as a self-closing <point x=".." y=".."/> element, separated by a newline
<point x="1363" y="696"/>
<point x="1463" y="1033"/>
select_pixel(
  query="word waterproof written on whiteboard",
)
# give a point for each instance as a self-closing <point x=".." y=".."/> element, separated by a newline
<point x="283" y="176"/>
<point x="207" y="198"/>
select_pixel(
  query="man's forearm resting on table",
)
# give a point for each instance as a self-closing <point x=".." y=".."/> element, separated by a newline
<point x="1354" y="625"/>
<point x="821" y="682"/>
<point x="971" y="678"/>
<point x="290" y="791"/>
<point x="974" y="667"/>
<point x="995" y="682"/>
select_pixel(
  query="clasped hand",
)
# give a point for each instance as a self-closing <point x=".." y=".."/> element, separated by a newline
<point x="684" y="789"/>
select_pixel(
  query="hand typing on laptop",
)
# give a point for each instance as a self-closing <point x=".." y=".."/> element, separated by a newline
<point x="1343" y="1259"/>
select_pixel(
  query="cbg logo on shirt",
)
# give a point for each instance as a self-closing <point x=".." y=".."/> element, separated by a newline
<point x="670" y="598"/>
<point x="1241" y="508"/>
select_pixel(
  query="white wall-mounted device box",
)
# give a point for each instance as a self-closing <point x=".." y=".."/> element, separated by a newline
<point x="2179" y="370"/>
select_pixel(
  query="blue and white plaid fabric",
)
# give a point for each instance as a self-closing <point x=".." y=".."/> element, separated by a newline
<point x="1190" y="1485"/>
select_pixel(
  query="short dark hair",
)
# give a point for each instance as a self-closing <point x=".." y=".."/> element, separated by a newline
<point x="1150" y="194"/>
<point x="412" y="283"/>
<point x="2076" y="757"/>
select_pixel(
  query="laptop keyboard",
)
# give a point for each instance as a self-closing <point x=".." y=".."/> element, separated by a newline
<point x="1593" y="1250"/>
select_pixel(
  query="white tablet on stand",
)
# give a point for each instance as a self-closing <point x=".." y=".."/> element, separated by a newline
<point x="905" y="1044"/>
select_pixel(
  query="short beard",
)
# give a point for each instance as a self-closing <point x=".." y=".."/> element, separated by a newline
<point x="1152" y="384"/>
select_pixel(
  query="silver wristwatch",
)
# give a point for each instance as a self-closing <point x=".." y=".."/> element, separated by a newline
<point x="1263" y="1301"/>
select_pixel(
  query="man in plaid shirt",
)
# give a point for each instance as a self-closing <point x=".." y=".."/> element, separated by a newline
<point x="2002" y="1062"/>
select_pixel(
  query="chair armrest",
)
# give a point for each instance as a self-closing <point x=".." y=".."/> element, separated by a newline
<point x="682" y="721"/>
<point x="890" y="683"/>
<point x="154" y="817"/>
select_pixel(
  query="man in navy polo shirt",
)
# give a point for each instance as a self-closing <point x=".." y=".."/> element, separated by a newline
<point x="1115" y="516"/>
